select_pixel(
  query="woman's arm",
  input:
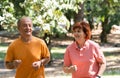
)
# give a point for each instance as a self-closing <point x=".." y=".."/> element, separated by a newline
<point x="102" y="68"/>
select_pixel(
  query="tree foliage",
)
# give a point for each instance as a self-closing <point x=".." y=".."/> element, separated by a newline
<point x="104" y="11"/>
<point x="55" y="16"/>
<point x="6" y="14"/>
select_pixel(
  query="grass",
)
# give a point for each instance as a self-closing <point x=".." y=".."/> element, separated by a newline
<point x="2" y="55"/>
<point x="58" y="53"/>
<point x="3" y="48"/>
<point x="113" y="59"/>
<point x="112" y="72"/>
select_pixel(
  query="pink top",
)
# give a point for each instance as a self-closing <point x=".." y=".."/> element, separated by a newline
<point x="86" y="59"/>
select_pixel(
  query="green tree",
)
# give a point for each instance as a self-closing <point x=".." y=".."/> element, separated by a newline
<point x="47" y="14"/>
<point x="6" y="14"/>
<point x="73" y="11"/>
<point x="104" y="11"/>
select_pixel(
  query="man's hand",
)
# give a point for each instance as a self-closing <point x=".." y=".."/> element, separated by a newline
<point x="13" y="64"/>
<point x="16" y="63"/>
<point x="36" y="65"/>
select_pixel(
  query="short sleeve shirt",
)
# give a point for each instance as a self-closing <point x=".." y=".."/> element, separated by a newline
<point x="86" y="58"/>
<point x="28" y="53"/>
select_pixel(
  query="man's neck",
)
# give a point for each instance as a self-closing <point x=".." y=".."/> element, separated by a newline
<point x="26" y="39"/>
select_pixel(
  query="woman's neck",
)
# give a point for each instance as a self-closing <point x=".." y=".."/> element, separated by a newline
<point x="80" y="43"/>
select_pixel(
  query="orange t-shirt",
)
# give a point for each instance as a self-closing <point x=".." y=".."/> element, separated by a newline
<point x="86" y="59"/>
<point x="28" y="53"/>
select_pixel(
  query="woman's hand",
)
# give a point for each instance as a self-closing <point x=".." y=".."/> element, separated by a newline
<point x="98" y="76"/>
<point x="70" y="69"/>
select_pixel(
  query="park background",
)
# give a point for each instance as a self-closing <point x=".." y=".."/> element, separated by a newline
<point x="52" y="21"/>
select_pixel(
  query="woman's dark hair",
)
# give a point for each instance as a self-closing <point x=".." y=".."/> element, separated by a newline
<point x="85" y="27"/>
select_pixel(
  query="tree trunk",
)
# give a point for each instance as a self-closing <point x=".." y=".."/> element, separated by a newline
<point x="1" y="28"/>
<point x="80" y="15"/>
<point x="103" y="35"/>
<point x="47" y="39"/>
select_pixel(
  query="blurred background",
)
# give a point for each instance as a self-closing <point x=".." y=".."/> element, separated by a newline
<point x="52" y="21"/>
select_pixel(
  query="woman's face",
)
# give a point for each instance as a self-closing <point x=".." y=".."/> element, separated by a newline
<point x="79" y="35"/>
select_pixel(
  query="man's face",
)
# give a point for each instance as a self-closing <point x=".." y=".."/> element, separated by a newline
<point x="25" y="27"/>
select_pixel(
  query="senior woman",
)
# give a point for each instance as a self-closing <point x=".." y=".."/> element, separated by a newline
<point x="84" y="58"/>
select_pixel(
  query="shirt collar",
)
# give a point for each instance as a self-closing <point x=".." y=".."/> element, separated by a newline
<point x="85" y="45"/>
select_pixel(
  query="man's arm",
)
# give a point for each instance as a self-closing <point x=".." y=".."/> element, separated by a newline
<point x="36" y="65"/>
<point x="44" y="61"/>
<point x="12" y="64"/>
